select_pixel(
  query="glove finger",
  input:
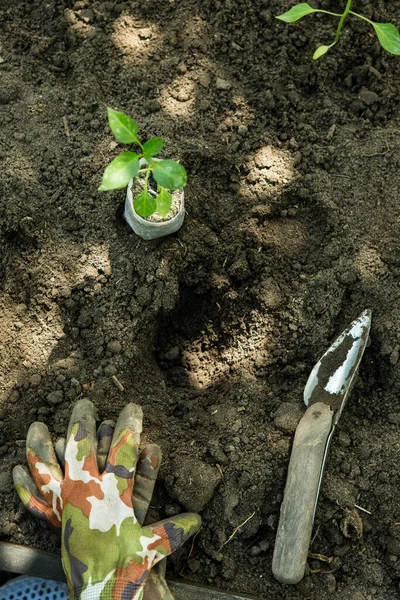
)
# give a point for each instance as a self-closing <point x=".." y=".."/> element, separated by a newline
<point x="145" y="479"/>
<point x="30" y="498"/>
<point x="105" y="434"/>
<point x="172" y="533"/>
<point x="60" y="451"/>
<point x="80" y="450"/>
<point x="43" y="464"/>
<point x="124" y="449"/>
<point x="156" y="587"/>
<point x="104" y="437"/>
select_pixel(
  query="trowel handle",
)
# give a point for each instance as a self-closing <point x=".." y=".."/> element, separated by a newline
<point x="301" y="494"/>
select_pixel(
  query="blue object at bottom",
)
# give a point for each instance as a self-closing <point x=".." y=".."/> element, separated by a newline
<point x="33" y="588"/>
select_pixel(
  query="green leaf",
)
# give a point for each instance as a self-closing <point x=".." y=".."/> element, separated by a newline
<point x="153" y="146"/>
<point x="169" y="174"/>
<point x="164" y="201"/>
<point x="148" y="158"/>
<point x="297" y="12"/>
<point x="123" y="127"/>
<point x="388" y="36"/>
<point x="145" y="204"/>
<point x="321" y="50"/>
<point x="120" y="171"/>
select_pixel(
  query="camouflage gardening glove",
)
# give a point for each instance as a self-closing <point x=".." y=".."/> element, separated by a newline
<point x="106" y="553"/>
<point x="156" y="587"/>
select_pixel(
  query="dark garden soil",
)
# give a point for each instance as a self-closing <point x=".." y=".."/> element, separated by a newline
<point x="292" y="228"/>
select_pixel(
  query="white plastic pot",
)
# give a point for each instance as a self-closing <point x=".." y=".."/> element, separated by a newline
<point x="151" y="230"/>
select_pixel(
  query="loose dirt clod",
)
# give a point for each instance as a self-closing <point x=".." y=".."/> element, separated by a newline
<point x="351" y="524"/>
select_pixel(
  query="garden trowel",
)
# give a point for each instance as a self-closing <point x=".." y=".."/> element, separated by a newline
<point x="325" y="395"/>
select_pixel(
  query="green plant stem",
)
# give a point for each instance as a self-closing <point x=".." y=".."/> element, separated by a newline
<point x="326" y="12"/>
<point x="361" y="17"/>
<point x="342" y="18"/>
<point x="146" y="181"/>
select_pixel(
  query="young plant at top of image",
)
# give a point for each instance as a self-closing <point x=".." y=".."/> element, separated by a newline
<point x="168" y="174"/>
<point x="387" y="34"/>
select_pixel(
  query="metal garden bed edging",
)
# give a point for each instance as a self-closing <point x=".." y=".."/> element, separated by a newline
<point x="26" y="560"/>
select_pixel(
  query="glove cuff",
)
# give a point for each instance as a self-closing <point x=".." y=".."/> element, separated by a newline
<point x="127" y="590"/>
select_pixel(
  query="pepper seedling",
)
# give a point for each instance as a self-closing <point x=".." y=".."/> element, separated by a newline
<point x="168" y="174"/>
<point x="388" y="35"/>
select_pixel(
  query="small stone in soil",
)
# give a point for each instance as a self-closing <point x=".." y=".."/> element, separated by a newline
<point x="287" y="417"/>
<point x="205" y="80"/>
<point x="368" y="97"/>
<point x="194" y="565"/>
<point x="114" y="347"/>
<point x="331" y="582"/>
<point x="222" y="84"/>
<point x="14" y="396"/>
<point x="84" y="319"/>
<point x="192" y="483"/>
<point x="240" y="269"/>
<point x="110" y="369"/>
<point x="172" y="509"/>
<point x="55" y="397"/>
<point x="152" y="106"/>
<point x="217" y="453"/>
<point x="204" y="105"/>
<point x="344" y="439"/>
<point x="172" y="354"/>
<point x="35" y="380"/>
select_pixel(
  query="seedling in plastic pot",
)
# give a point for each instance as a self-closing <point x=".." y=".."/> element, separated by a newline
<point x="387" y="34"/>
<point x="168" y="174"/>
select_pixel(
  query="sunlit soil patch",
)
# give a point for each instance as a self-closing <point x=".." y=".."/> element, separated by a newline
<point x="135" y="39"/>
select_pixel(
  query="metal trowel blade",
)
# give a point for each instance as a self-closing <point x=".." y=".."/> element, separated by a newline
<point x="331" y="379"/>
